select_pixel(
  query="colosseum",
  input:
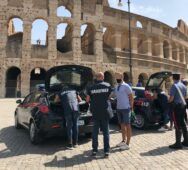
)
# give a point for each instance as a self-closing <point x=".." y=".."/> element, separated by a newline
<point x="103" y="46"/>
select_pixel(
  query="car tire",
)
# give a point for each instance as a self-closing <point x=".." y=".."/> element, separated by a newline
<point x="17" y="125"/>
<point x="140" y="122"/>
<point x="34" y="135"/>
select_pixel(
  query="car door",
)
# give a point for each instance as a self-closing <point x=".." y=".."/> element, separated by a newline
<point x="22" y="109"/>
<point x="31" y="104"/>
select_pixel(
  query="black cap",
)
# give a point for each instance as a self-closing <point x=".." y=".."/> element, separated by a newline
<point x="176" y="76"/>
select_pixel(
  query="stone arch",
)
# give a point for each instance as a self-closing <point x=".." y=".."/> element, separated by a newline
<point x="62" y="11"/>
<point x="15" y="25"/>
<point x="182" y="54"/>
<point x="143" y="78"/>
<point x="39" y="32"/>
<point x="15" y="37"/>
<point x="88" y="38"/>
<point x="139" y="24"/>
<point x="108" y="38"/>
<point x="13" y="82"/>
<point x="64" y="37"/>
<point x="109" y="77"/>
<point x="155" y="46"/>
<point x="68" y="4"/>
<point x="174" y="52"/>
<point x="166" y="49"/>
<point x="142" y="49"/>
<point x="37" y="76"/>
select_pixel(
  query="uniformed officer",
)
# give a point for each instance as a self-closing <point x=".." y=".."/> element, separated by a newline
<point x="98" y="96"/>
<point x="177" y="96"/>
<point x="69" y="100"/>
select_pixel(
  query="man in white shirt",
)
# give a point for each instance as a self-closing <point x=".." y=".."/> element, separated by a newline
<point x="125" y="100"/>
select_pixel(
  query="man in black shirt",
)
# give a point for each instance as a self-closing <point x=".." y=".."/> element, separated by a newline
<point x="98" y="96"/>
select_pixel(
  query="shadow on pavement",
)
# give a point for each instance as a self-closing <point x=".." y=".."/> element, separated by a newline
<point x="16" y="142"/>
<point x="159" y="151"/>
<point x="77" y="160"/>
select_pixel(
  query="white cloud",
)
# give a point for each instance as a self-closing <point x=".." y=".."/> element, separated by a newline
<point x="148" y="11"/>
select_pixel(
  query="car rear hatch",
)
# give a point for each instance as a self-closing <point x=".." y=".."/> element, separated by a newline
<point x="156" y="80"/>
<point x="74" y="76"/>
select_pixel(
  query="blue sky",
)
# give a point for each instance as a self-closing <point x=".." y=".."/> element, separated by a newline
<point x="167" y="11"/>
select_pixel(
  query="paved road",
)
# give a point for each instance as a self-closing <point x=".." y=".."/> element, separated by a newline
<point x="149" y="150"/>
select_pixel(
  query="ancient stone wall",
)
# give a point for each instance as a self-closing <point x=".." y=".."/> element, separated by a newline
<point x="103" y="47"/>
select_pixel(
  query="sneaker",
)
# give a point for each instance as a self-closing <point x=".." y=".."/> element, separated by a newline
<point x="184" y="144"/>
<point x="122" y="143"/>
<point x="94" y="154"/>
<point x="69" y="146"/>
<point x="125" y="147"/>
<point x="162" y="129"/>
<point x="176" y="146"/>
<point x="75" y="145"/>
<point x="106" y="154"/>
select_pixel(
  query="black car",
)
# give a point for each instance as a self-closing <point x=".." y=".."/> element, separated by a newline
<point x="146" y="111"/>
<point x="41" y="116"/>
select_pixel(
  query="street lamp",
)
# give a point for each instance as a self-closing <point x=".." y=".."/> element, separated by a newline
<point x="120" y="4"/>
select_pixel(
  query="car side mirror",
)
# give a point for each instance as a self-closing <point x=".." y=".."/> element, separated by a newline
<point x="19" y="101"/>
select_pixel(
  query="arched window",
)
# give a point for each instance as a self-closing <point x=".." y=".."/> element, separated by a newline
<point x="87" y="39"/>
<point x="63" y="12"/>
<point x="39" y="32"/>
<point x="64" y="37"/>
<point x="37" y="76"/>
<point x="174" y="52"/>
<point x="142" y="48"/>
<point x="139" y="24"/>
<point x="155" y="47"/>
<point x="15" y="25"/>
<point x="182" y="54"/>
<point x="13" y="82"/>
<point x="166" y="50"/>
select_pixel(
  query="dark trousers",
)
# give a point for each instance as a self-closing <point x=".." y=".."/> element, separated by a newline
<point x="104" y="126"/>
<point x="72" y="127"/>
<point x="179" y="122"/>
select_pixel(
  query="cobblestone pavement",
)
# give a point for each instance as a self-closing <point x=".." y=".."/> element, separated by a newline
<point x="149" y="150"/>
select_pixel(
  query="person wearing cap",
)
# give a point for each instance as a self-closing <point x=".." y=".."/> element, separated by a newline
<point x="98" y="96"/>
<point x="178" y="93"/>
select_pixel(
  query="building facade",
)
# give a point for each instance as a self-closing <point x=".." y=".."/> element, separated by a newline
<point x="103" y="46"/>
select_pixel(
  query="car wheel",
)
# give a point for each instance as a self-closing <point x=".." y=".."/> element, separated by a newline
<point x="16" y="122"/>
<point x="140" y="121"/>
<point x="35" y="137"/>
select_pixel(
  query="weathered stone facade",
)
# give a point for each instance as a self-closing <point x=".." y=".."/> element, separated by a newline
<point x="155" y="46"/>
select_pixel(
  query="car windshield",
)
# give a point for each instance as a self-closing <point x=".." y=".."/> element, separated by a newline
<point x="155" y="82"/>
<point x="66" y="77"/>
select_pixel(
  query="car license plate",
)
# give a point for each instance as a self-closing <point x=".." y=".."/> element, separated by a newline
<point x="81" y="122"/>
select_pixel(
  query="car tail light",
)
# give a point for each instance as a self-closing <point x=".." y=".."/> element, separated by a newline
<point x="44" y="109"/>
<point x="55" y="126"/>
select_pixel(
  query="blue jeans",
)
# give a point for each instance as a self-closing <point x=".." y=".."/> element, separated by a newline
<point x="104" y="126"/>
<point x="72" y="127"/>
